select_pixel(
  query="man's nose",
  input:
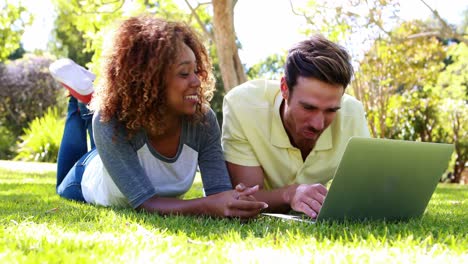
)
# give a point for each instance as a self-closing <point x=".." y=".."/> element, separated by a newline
<point x="317" y="121"/>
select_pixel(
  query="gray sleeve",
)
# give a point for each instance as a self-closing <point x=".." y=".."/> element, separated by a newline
<point x="121" y="161"/>
<point x="213" y="169"/>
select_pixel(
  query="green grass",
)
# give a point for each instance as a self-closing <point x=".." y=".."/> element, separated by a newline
<point x="37" y="226"/>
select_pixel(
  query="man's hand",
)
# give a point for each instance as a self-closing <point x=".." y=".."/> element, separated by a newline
<point x="308" y="198"/>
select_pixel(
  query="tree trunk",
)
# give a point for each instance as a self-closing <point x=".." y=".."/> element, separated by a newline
<point x="230" y="64"/>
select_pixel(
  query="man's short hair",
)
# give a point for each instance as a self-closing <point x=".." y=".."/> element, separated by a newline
<point x="319" y="58"/>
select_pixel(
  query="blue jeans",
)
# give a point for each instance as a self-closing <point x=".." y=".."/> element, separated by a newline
<point x="73" y="153"/>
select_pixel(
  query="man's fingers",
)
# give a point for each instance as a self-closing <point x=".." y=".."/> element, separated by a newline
<point x="319" y="197"/>
<point x="313" y="204"/>
<point x="305" y="208"/>
<point x="321" y="189"/>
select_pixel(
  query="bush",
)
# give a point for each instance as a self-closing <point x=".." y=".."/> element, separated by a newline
<point x="41" y="140"/>
<point x="26" y="90"/>
<point x="6" y="143"/>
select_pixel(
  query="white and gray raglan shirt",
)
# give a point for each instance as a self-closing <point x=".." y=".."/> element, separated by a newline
<point x="128" y="172"/>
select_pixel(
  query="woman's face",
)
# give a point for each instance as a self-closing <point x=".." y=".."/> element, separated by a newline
<point x="183" y="84"/>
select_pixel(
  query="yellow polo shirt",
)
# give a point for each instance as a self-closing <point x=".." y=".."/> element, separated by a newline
<point x="253" y="135"/>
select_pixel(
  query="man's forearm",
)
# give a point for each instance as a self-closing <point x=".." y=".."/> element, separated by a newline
<point x="278" y="200"/>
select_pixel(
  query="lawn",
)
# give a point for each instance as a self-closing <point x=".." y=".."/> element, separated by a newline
<point x="37" y="226"/>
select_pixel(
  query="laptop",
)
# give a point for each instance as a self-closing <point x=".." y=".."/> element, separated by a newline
<point x="383" y="179"/>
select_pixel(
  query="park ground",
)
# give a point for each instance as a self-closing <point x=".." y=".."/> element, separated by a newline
<point x="37" y="226"/>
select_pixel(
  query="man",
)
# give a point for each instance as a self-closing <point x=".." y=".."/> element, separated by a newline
<point x="288" y="136"/>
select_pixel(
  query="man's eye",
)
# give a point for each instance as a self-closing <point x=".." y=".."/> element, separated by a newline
<point x="333" y="110"/>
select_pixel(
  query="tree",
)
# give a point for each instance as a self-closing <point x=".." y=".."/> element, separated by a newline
<point x="453" y="84"/>
<point x="394" y="66"/>
<point x="68" y="41"/>
<point x="441" y="29"/>
<point x="351" y="22"/>
<point x="230" y="64"/>
<point x="81" y="28"/>
<point x="222" y="33"/>
<point x="270" y="68"/>
<point x="13" y="19"/>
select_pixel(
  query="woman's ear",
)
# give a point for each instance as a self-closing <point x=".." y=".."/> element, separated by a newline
<point x="284" y="89"/>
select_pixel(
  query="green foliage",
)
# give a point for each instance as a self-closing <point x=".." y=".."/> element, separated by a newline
<point x="271" y="68"/>
<point x="87" y="26"/>
<point x="80" y="28"/>
<point x="13" y="19"/>
<point x="420" y="114"/>
<point x="41" y="140"/>
<point x="27" y="89"/>
<point x="68" y="41"/>
<point x="410" y="92"/>
<point x="341" y="20"/>
<point x="6" y="143"/>
<point x="398" y="66"/>
<point x="37" y="226"/>
<point x="18" y="53"/>
<point x="452" y="83"/>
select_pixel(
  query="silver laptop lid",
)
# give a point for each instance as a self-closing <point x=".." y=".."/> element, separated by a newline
<point x="385" y="179"/>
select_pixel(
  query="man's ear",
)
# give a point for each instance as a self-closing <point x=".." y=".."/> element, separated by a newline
<point x="284" y="89"/>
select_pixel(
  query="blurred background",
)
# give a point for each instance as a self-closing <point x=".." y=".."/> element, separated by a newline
<point x="410" y="59"/>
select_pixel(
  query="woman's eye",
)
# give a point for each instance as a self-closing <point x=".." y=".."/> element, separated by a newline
<point x="184" y="74"/>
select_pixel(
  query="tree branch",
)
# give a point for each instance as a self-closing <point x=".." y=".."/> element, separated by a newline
<point x="197" y="18"/>
<point x="297" y="14"/>
<point x="445" y="26"/>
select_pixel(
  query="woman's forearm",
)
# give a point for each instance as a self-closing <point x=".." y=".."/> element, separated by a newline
<point x="224" y="204"/>
<point x="166" y="206"/>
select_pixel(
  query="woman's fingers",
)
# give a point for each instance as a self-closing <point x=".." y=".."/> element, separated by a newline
<point x="247" y="205"/>
<point x="241" y="189"/>
<point x="246" y="209"/>
<point x="247" y="198"/>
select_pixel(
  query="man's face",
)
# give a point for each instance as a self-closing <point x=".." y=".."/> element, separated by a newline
<point x="309" y="109"/>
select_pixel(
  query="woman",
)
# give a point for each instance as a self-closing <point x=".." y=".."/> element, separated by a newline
<point x="152" y="127"/>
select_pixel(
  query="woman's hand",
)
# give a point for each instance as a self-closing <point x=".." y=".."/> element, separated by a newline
<point x="246" y="193"/>
<point x="236" y="203"/>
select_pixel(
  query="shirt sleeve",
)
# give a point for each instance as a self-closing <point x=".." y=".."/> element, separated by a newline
<point x="237" y="148"/>
<point x="121" y="161"/>
<point x="213" y="169"/>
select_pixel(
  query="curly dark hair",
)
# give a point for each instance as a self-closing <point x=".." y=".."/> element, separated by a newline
<point x="134" y="86"/>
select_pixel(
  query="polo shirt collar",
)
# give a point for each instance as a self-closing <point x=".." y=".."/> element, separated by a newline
<point x="325" y="141"/>
<point x="279" y="137"/>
